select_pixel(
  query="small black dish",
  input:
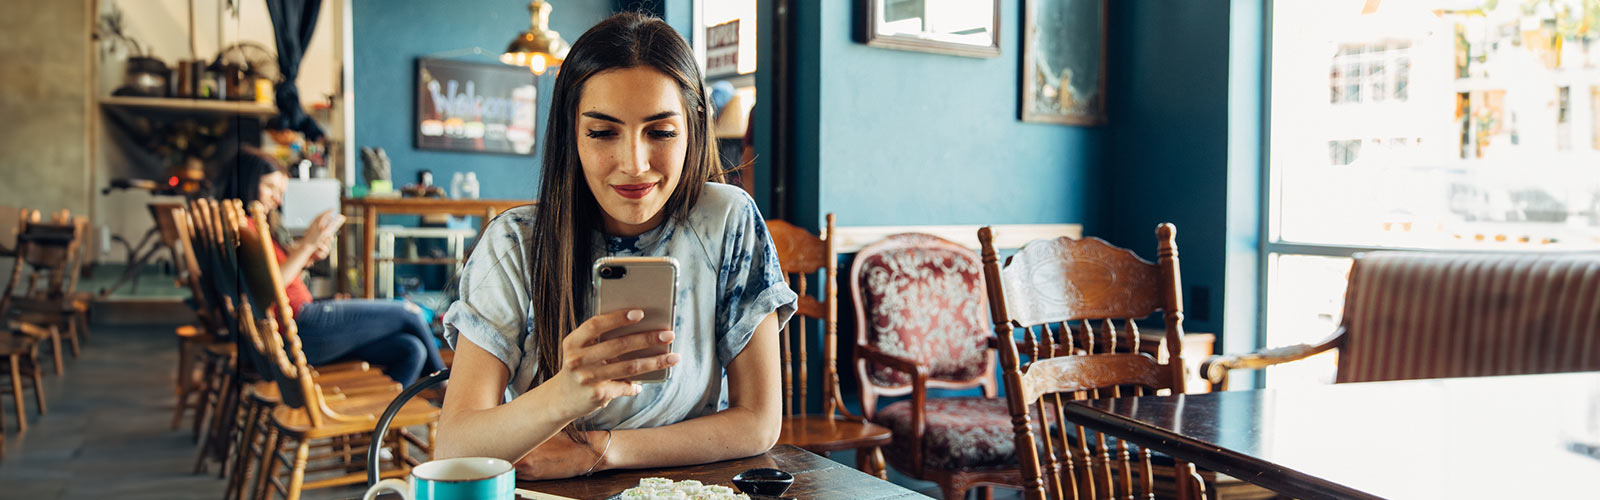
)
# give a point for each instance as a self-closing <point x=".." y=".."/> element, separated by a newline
<point x="763" y="481"/>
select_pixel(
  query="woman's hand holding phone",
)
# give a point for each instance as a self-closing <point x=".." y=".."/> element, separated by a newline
<point x="590" y="371"/>
<point x="321" y="232"/>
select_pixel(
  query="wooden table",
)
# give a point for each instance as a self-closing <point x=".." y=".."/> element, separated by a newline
<point x="814" y="478"/>
<point x="1490" y="437"/>
<point x="369" y="208"/>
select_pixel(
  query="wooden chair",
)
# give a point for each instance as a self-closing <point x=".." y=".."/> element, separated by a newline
<point x="920" y="325"/>
<point x="50" y="253"/>
<point x="19" y="347"/>
<point x="801" y="254"/>
<point x="219" y="385"/>
<point x="193" y="339"/>
<point x="1075" y="302"/>
<point x="20" y="343"/>
<point x="306" y="412"/>
<point x="261" y="397"/>
<point x="231" y="390"/>
<point x="1415" y="315"/>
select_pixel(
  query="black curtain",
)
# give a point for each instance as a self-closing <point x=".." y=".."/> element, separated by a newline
<point x="293" y="22"/>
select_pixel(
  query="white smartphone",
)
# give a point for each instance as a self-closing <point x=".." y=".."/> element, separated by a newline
<point x="646" y="283"/>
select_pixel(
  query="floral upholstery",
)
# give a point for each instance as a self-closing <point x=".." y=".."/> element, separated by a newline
<point x="961" y="433"/>
<point x="922" y="298"/>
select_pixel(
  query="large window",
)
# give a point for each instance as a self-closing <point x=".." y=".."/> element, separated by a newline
<point x="1422" y="124"/>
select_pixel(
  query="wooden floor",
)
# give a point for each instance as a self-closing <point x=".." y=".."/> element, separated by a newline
<point x="107" y="436"/>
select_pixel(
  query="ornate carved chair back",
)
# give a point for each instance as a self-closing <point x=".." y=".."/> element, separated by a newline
<point x="1074" y="303"/>
<point x="275" y="330"/>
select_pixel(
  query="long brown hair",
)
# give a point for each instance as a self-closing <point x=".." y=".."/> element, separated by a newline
<point x="568" y="218"/>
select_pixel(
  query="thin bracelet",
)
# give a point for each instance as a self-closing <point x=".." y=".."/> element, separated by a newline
<point x="602" y="456"/>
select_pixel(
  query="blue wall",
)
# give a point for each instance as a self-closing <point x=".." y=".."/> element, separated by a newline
<point x="890" y="137"/>
<point x="1168" y="140"/>
<point x="887" y="137"/>
<point x="389" y="37"/>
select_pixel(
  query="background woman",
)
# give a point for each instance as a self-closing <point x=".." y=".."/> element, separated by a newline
<point x="387" y="333"/>
<point x="626" y="169"/>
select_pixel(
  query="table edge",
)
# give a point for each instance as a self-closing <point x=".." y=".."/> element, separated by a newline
<point x="1239" y="465"/>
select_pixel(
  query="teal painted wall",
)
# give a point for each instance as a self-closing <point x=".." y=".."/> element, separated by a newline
<point x="891" y="137"/>
<point x="1167" y="159"/>
<point x="390" y="35"/>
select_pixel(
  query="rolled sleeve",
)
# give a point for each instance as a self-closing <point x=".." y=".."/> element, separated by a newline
<point x="492" y="310"/>
<point x="752" y="284"/>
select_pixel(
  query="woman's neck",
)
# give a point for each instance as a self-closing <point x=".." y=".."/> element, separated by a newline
<point x="613" y="227"/>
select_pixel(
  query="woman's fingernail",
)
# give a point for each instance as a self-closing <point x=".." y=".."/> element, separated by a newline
<point x="635" y="315"/>
<point x="673" y="358"/>
<point x="666" y="336"/>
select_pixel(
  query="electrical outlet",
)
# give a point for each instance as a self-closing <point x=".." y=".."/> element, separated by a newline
<point x="1199" y="307"/>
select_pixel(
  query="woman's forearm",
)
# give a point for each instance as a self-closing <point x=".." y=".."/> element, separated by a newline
<point x="732" y="433"/>
<point x="298" y="256"/>
<point x="748" y="427"/>
<point x="508" y="431"/>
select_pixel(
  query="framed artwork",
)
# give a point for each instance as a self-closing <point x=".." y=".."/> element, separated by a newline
<point x="962" y="28"/>
<point x="475" y="107"/>
<point x="1064" y="62"/>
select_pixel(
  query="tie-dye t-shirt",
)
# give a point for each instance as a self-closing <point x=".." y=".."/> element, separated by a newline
<point x="728" y="281"/>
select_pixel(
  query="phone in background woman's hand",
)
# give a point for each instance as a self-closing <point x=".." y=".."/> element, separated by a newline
<point x="646" y="283"/>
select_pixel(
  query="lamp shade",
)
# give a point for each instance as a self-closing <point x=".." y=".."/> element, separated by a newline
<point x="540" y="48"/>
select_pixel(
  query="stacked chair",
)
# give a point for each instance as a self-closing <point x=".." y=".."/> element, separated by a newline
<point x="49" y="298"/>
<point x="283" y="409"/>
<point x="40" y="305"/>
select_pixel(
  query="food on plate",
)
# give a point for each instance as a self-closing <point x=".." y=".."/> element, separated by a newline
<point x="660" y="488"/>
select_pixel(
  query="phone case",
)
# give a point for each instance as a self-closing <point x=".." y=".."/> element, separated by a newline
<point x="647" y="283"/>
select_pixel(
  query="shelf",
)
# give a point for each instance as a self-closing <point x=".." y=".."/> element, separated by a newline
<point x="190" y="106"/>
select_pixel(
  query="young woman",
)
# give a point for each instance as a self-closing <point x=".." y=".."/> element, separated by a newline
<point x="628" y="162"/>
<point x="387" y="333"/>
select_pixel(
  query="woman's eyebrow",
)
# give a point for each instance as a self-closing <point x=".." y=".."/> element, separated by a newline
<point x="660" y="116"/>
<point x="602" y="116"/>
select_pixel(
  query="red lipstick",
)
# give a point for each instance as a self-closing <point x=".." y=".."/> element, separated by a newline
<point x="634" y="191"/>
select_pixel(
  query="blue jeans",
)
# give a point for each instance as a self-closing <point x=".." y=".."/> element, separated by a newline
<point x="382" y="332"/>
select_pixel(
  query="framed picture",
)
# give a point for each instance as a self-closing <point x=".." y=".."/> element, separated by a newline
<point x="475" y="107"/>
<point x="962" y="28"/>
<point x="1064" y="61"/>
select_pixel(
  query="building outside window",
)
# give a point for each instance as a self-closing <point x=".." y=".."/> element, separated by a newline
<point x="1424" y="124"/>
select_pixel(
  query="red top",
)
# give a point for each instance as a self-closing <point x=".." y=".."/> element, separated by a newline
<point x="299" y="295"/>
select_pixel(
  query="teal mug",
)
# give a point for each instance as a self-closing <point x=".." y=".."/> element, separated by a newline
<point x="466" y="478"/>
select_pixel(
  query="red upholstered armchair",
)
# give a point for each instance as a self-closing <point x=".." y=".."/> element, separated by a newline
<point x="922" y="322"/>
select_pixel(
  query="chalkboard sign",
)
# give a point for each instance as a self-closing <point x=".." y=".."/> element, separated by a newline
<point x="475" y="107"/>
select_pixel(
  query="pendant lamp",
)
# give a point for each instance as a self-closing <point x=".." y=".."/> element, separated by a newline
<point x="540" y="48"/>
